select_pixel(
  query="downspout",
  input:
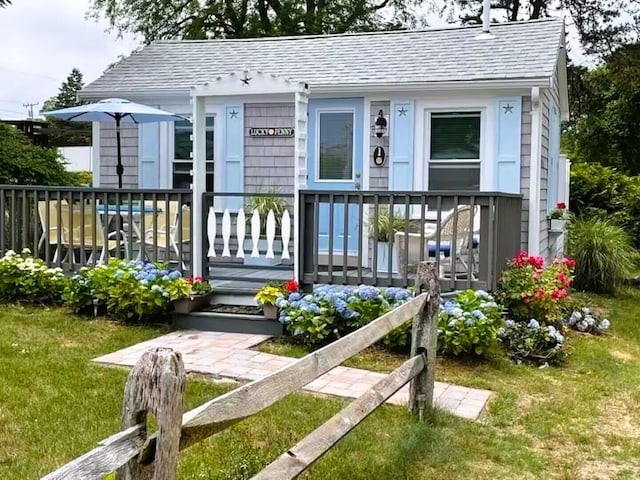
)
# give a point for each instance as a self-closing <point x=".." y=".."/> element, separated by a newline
<point x="534" y="177"/>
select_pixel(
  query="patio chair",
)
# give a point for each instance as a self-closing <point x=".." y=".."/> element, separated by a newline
<point x="172" y="236"/>
<point x="50" y="231"/>
<point x="455" y="229"/>
<point x="82" y="225"/>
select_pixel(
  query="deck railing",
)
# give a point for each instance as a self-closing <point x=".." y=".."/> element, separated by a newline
<point x="70" y="227"/>
<point x="250" y="236"/>
<point x="469" y="235"/>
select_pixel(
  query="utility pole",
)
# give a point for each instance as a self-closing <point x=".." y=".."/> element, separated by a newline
<point x="29" y="107"/>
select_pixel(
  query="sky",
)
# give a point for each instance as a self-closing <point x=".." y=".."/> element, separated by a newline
<point x="41" y="41"/>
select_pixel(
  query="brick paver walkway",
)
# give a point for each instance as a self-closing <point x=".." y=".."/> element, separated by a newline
<point x="228" y="355"/>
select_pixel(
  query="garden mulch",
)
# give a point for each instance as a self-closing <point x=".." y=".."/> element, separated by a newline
<point x="228" y="355"/>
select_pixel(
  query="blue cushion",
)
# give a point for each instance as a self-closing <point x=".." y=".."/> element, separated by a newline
<point x="445" y="247"/>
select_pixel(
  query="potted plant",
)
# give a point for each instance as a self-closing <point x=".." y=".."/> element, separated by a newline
<point x="266" y="297"/>
<point x="388" y="224"/>
<point x="199" y="296"/>
<point x="557" y="218"/>
<point x="271" y="201"/>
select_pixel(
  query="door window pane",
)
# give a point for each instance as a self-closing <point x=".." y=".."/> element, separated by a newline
<point x="455" y="136"/>
<point x="335" y="157"/>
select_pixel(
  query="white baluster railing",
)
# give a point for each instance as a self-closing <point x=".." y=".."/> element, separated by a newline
<point x="240" y="233"/>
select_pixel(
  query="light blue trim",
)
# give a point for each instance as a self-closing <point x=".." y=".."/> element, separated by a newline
<point x="553" y="169"/>
<point x="233" y="163"/>
<point x="149" y="155"/>
<point x="508" y="144"/>
<point x="401" y="145"/>
<point x="355" y="105"/>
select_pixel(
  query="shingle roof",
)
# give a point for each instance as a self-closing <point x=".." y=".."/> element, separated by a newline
<point x="519" y="50"/>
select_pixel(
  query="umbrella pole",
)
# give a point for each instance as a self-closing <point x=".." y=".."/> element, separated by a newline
<point x="119" y="168"/>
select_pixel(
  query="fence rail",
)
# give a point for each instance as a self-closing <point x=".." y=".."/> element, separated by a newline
<point x="378" y="237"/>
<point x="147" y="384"/>
<point x="70" y="227"/>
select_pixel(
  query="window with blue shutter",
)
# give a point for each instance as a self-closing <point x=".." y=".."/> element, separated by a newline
<point x="507" y="144"/>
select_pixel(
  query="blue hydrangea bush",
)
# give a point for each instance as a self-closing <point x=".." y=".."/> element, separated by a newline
<point x="331" y="312"/>
<point x="533" y="343"/>
<point x="468" y="325"/>
<point x="586" y="321"/>
<point x="29" y="280"/>
<point x="126" y="290"/>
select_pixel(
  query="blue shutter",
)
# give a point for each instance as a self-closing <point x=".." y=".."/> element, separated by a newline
<point x="554" y="154"/>
<point x="233" y="176"/>
<point x="508" y="142"/>
<point x="149" y="155"/>
<point x="401" y="146"/>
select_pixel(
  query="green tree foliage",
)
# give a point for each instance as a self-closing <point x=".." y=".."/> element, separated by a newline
<point x="22" y="163"/>
<point x="607" y="100"/>
<point x="4" y="3"/>
<point x="602" y="24"/>
<point x="202" y="19"/>
<point x="60" y="132"/>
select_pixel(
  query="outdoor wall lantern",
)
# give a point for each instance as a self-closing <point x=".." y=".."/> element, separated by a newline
<point x="380" y="126"/>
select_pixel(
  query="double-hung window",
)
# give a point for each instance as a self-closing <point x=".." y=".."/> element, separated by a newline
<point x="182" y="174"/>
<point x="454" y="153"/>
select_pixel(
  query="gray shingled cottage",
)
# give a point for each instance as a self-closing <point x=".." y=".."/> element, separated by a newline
<point x="454" y="109"/>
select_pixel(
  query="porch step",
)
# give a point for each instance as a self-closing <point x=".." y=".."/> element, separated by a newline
<point x="234" y="296"/>
<point x="227" y="322"/>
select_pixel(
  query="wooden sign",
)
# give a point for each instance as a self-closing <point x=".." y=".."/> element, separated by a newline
<point x="271" y="132"/>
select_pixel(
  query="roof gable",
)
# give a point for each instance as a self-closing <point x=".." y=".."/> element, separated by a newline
<point x="522" y="50"/>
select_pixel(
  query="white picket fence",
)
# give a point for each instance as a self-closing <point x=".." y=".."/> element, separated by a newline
<point x="254" y="234"/>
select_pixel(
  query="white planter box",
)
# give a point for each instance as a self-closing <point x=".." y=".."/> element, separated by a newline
<point x="383" y="252"/>
<point x="556" y="225"/>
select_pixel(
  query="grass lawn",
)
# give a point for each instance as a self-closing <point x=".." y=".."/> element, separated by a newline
<point x="577" y="422"/>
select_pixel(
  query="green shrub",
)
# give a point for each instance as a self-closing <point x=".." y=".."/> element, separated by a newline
<point x="27" y="279"/>
<point x="130" y="291"/>
<point x="468" y="324"/>
<point x="604" y="193"/>
<point x="604" y="255"/>
<point x="533" y="343"/>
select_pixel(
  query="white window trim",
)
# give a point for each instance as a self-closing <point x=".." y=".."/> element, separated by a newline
<point x="471" y="103"/>
<point x="427" y="141"/>
<point x="316" y="173"/>
<point x="171" y="157"/>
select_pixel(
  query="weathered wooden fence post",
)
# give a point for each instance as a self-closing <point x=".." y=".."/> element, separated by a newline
<point x="155" y="385"/>
<point x="424" y="338"/>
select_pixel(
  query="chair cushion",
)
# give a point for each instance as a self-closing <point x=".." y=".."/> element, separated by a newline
<point x="445" y="247"/>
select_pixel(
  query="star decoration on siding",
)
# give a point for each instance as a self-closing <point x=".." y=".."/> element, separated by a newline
<point x="402" y="112"/>
<point x="233" y="114"/>
<point x="508" y="108"/>
<point x="245" y="80"/>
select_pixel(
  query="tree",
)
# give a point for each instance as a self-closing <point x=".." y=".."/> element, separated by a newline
<point x="62" y="133"/>
<point x="202" y="19"/>
<point x="602" y="24"/>
<point x="608" y="127"/>
<point x="22" y="163"/>
<point x="4" y="3"/>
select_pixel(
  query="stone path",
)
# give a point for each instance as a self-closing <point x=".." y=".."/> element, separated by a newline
<point x="228" y="355"/>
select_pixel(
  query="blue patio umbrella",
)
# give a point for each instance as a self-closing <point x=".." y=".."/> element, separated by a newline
<point x="118" y="110"/>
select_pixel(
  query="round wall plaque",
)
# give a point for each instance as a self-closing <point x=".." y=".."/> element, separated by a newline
<point x="379" y="156"/>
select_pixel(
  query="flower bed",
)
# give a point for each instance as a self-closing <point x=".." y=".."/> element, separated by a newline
<point x="27" y="279"/>
<point x="533" y="343"/>
<point x="331" y="312"/>
<point x="131" y="291"/>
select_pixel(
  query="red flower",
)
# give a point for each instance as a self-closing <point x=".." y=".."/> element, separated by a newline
<point x="539" y="293"/>
<point x="537" y="262"/>
<point x="561" y="205"/>
<point x="291" y="286"/>
<point x="566" y="281"/>
<point x="536" y="276"/>
<point x="198" y="279"/>
<point x="569" y="262"/>
<point x="189" y="279"/>
<point x="561" y="293"/>
<point x="526" y="300"/>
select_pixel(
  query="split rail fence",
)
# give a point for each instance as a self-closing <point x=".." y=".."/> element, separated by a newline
<point x="157" y="382"/>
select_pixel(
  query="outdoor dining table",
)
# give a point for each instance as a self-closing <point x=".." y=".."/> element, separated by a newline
<point x="133" y="213"/>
